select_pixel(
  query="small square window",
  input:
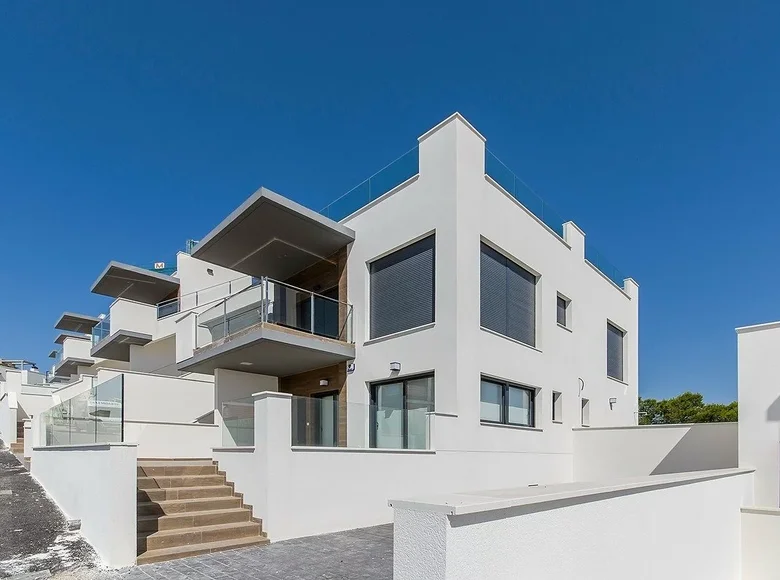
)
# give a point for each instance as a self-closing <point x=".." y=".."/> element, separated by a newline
<point x="557" y="406"/>
<point x="586" y="412"/>
<point x="562" y="311"/>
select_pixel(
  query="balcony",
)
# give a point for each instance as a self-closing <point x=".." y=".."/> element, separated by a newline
<point x="272" y="328"/>
<point x="116" y="345"/>
<point x="80" y="323"/>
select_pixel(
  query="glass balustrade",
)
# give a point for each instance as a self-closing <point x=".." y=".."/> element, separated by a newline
<point x="276" y="303"/>
<point x="101" y="330"/>
<point x="238" y="423"/>
<point x="94" y="416"/>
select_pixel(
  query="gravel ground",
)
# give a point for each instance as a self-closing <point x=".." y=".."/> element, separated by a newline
<point x="34" y="539"/>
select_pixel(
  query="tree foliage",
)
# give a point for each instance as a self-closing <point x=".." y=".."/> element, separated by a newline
<point x="685" y="408"/>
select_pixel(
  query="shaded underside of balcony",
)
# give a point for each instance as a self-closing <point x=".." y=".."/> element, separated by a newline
<point x="269" y="349"/>
<point x="72" y="322"/>
<point x="70" y="366"/>
<point x="120" y="280"/>
<point x="63" y="335"/>
<point x="270" y="235"/>
<point x="117" y="346"/>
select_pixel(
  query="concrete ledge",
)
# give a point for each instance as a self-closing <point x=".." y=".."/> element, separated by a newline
<point x="761" y="511"/>
<point x="233" y="449"/>
<point x="664" y="426"/>
<point x="85" y="446"/>
<point x="364" y="450"/>
<point x="481" y="501"/>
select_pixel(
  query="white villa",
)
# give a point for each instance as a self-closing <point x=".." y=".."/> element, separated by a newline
<point x="435" y="332"/>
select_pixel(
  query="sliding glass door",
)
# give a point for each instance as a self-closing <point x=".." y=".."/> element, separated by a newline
<point x="399" y="413"/>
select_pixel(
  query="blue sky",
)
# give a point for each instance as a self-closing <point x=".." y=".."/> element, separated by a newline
<point x="652" y="125"/>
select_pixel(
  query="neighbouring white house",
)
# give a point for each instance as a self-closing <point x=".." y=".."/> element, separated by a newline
<point x="434" y="332"/>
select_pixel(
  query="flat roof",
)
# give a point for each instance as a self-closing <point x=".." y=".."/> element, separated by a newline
<point x="63" y="335"/>
<point x="270" y="235"/>
<point x="72" y="322"/>
<point x="117" y="346"/>
<point x="120" y="280"/>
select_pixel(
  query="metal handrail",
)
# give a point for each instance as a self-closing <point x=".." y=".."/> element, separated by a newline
<point x="197" y="292"/>
<point x="263" y="312"/>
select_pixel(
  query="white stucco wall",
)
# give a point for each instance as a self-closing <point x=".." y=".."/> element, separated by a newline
<point x="758" y="393"/>
<point x="760" y="538"/>
<point x="664" y="529"/>
<point x="8" y="409"/>
<point x="133" y="316"/>
<point x="151" y="397"/>
<point x="158" y="357"/>
<point x="601" y="453"/>
<point x="172" y="440"/>
<point x="97" y="485"/>
<point x="453" y="198"/>
<point x="284" y="484"/>
<point x="77" y="347"/>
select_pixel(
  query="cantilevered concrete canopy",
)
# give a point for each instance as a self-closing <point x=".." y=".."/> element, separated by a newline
<point x="71" y="322"/>
<point x="70" y="366"/>
<point x="117" y="346"/>
<point x="125" y="281"/>
<point x="270" y="350"/>
<point x="63" y="335"/>
<point x="270" y="235"/>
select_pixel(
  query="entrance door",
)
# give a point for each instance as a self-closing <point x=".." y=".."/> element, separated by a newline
<point x="316" y="420"/>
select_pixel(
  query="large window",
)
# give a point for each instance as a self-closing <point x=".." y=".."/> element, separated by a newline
<point x="615" y="363"/>
<point x="399" y="413"/>
<point x="402" y="289"/>
<point x="507" y="297"/>
<point x="506" y="403"/>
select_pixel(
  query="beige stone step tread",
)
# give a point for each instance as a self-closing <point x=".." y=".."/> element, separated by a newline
<point x="158" y="462"/>
<point x="195" y="549"/>
<point x="188" y="488"/>
<point x="191" y="480"/>
<point x="193" y="514"/>
<point x="203" y="529"/>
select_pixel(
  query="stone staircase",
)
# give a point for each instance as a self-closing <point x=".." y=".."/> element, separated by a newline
<point x="17" y="448"/>
<point x="186" y="508"/>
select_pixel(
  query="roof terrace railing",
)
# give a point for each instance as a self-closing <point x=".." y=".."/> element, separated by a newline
<point x="390" y="176"/>
<point x="408" y="165"/>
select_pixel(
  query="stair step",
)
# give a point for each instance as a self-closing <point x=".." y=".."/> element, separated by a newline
<point x="187" y="505"/>
<point x="175" y="468"/>
<point x="200" y="535"/>
<point x="162" y="482"/>
<point x="193" y="519"/>
<point x="195" y="492"/>
<point x="196" y="549"/>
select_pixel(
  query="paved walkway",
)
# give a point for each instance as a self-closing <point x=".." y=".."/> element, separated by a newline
<point x="33" y="534"/>
<point x="366" y="553"/>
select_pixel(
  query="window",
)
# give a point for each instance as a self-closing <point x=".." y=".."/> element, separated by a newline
<point x="402" y="289"/>
<point x="506" y="403"/>
<point x="585" y="414"/>
<point x="562" y="311"/>
<point x="507" y="297"/>
<point x="399" y="413"/>
<point x="615" y="352"/>
<point x="557" y="406"/>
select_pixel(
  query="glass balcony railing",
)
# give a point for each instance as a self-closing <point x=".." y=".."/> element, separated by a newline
<point x="95" y="416"/>
<point x="238" y="423"/>
<point x="518" y="189"/>
<point x="203" y="296"/>
<point x="101" y="330"/>
<point x="278" y="303"/>
<point x="390" y="176"/>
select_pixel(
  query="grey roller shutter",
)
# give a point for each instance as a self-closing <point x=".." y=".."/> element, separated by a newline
<point x="507" y="297"/>
<point x="402" y="289"/>
<point x="614" y="352"/>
